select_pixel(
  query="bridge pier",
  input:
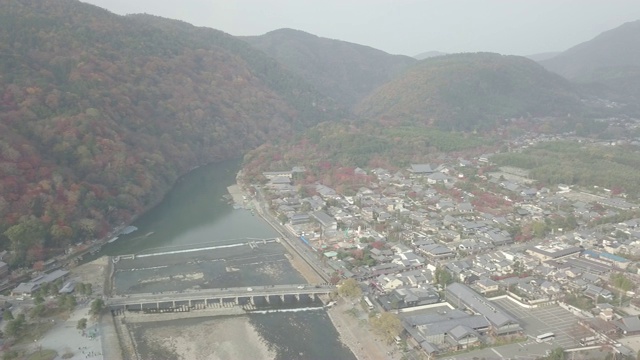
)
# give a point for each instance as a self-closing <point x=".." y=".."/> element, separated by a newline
<point x="133" y="307"/>
<point x="215" y="302"/>
<point x="216" y="298"/>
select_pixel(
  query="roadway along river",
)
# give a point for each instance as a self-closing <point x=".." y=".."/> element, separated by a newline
<point x="193" y="214"/>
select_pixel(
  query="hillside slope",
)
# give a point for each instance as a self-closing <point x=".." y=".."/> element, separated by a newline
<point x="470" y="91"/>
<point x="99" y="114"/>
<point x="340" y="69"/>
<point x="616" y="48"/>
<point x="611" y="58"/>
<point x="428" y="54"/>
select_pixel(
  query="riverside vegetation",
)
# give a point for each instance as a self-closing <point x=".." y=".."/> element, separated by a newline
<point x="100" y="114"/>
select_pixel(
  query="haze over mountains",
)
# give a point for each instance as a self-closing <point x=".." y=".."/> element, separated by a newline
<point x="611" y="58"/>
<point x="470" y="91"/>
<point x="428" y="54"/>
<point x="100" y="113"/>
<point x="345" y="71"/>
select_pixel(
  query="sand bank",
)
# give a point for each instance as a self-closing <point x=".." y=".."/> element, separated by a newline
<point x="356" y="334"/>
<point x="215" y="339"/>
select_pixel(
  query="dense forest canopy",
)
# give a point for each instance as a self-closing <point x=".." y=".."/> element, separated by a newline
<point x="611" y="59"/>
<point x="99" y="114"/>
<point x="572" y="163"/>
<point x="331" y="151"/>
<point x="344" y="71"/>
<point x="467" y="92"/>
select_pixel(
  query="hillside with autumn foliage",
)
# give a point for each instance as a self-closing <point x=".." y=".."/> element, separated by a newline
<point x="345" y="71"/>
<point x="100" y="114"/>
<point x="472" y="91"/>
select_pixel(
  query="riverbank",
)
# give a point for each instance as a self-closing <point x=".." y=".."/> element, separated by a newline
<point x="237" y="194"/>
<point x="222" y="338"/>
<point x="356" y="333"/>
<point x="98" y="340"/>
<point x="310" y="275"/>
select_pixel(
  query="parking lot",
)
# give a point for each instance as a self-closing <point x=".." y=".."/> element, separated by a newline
<point x="545" y="319"/>
<point x="536" y="321"/>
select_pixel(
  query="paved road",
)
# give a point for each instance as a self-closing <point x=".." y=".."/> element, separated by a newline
<point x="227" y="292"/>
<point x="295" y="243"/>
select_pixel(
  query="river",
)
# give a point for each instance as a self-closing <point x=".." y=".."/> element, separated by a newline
<point x="192" y="215"/>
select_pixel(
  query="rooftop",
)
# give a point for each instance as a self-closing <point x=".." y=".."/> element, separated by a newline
<point x="480" y="305"/>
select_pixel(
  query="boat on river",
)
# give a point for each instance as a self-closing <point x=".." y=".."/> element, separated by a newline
<point x="128" y="230"/>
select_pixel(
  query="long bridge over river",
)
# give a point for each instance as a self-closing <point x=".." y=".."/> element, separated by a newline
<point x="200" y="299"/>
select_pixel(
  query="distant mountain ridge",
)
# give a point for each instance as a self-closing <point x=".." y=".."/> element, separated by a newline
<point x="344" y="71"/>
<point x="611" y="59"/>
<point x="543" y="56"/>
<point x="428" y="54"/>
<point x="100" y="113"/>
<point x="470" y="91"/>
<point x="613" y="51"/>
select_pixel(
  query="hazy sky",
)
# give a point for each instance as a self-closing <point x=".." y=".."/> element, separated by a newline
<point x="409" y="27"/>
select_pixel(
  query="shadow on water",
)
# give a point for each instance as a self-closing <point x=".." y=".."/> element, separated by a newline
<point x="192" y="212"/>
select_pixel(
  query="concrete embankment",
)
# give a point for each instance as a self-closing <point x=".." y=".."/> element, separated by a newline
<point x="295" y="258"/>
<point x="132" y="317"/>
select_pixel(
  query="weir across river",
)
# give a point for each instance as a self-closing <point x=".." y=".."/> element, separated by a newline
<point x="251" y="242"/>
<point x="184" y="300"/>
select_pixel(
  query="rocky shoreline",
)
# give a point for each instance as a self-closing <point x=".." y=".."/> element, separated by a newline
<point x="207" y="339"/>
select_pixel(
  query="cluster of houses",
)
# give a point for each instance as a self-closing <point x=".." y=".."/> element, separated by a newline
<point x="462" y="325"/>
<point x="424" y="219"/>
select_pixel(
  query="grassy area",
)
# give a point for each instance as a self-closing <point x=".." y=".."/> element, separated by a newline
<point x="580" y="301"/>
<point x="35" y="331"/>
<point x="45" y="354"/>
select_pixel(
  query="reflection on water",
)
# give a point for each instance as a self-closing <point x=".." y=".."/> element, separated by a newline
<point x="194" y="215"/>
<point x="258" y="265"/>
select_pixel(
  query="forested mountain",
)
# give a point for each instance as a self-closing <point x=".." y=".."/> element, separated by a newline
<point x="340" y="69"/>
<point x="543" y="56"/>
<point x="99" y="115"/>
<point x="428" y="54"/>
<point x="471" y="91"/>
<point x="611" y="58"/>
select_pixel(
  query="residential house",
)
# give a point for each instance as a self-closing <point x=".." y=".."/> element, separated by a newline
<point x="436" y="251"/>
<point x="401" y="298"/>
<point x="595" y="292"/>
<point x="629" y="325"/>
<point x="32" y="286"/>
<point x="421" y="169"/>
<point x="486" y="285"/>
<point x="327" y="222"/>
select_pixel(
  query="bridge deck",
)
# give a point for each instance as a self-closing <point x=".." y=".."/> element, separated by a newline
<point x="277" y="290"/>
